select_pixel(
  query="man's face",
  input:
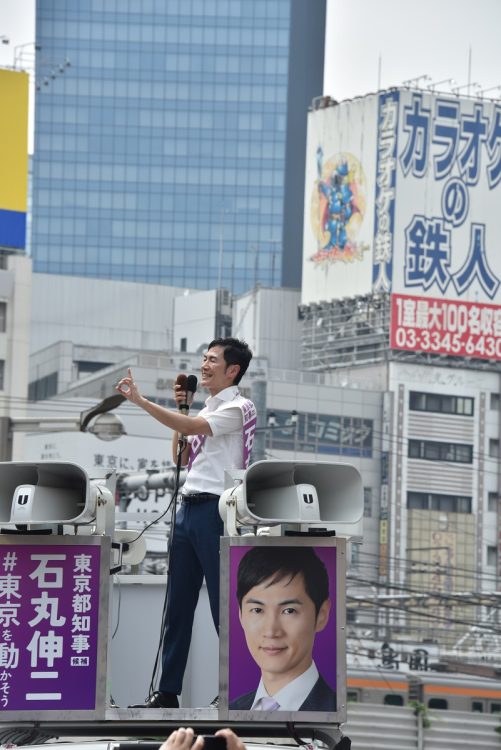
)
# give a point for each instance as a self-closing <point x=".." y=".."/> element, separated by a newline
<point x="280" y="624"/>
<point x="216" y="374"/>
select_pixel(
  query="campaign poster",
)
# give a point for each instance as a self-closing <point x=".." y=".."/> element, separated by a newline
<point x="53" y="616"/>
<point x="283" y="627"/>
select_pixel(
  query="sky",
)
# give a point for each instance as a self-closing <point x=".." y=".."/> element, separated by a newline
<point x="17" y="22"/>
<point x="412" y="38"/>
<point x="368" y="42"/>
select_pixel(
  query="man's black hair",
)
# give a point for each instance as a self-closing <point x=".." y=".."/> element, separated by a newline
<point x="236" y="352"/>
<point x="277" y="563"/>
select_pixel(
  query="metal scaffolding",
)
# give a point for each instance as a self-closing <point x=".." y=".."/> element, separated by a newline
<point x="356" y="331"/>
<point x="345" y="332"/>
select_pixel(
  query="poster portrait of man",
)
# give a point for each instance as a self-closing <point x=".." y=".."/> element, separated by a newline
<point x="282" y="628"/>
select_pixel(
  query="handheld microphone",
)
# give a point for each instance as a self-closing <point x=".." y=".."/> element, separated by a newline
<point x="188" y="384"/>
<point x="182" y="380"/>
<point x="191" y="388"/>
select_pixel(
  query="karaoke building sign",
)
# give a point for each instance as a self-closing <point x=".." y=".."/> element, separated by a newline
<point x="445" y="293"/>
<point x="434" y="223"/>
<point x="49" y="616"/>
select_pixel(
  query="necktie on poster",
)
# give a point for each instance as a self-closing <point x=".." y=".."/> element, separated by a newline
<point x="268" y="704"/>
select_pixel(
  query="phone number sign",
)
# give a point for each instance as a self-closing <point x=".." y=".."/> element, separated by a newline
<point x="441" y="326"/>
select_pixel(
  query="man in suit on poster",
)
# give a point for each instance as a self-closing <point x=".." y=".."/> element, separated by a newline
<point x="283" y="598"/>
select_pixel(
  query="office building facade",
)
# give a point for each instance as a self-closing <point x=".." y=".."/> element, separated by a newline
<point x="172" y="149"/>
<point x="402" y="291"/>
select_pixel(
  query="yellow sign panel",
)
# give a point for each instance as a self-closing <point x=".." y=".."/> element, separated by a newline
<point x="13" y="140"/>
<point x="13" y="158"/>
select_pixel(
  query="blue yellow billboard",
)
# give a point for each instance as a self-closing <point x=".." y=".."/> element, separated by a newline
<point x="13" y="158"/>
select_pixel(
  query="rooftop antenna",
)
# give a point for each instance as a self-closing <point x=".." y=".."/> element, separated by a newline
<point x="468" y="86"/>
<point x="414" y="82"/>
<point x="446" y="81"/>
<point x="469" y="69"/>
<point x="491" y="88"/>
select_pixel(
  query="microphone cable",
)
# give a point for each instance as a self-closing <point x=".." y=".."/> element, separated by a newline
<point x="170" y="538"/>
<point x="190" y="385"/>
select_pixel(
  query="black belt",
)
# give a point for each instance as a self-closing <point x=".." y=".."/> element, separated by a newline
<point x="199" y="497"/>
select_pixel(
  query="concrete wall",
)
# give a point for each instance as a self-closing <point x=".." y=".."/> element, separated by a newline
<point x="267" y="320"/>
<point x="15" y="291"/>
<point x="195" y="316"/>
<point x="99" y="312"/>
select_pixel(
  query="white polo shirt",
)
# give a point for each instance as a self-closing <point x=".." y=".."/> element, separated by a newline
<point x="224" y="449"/>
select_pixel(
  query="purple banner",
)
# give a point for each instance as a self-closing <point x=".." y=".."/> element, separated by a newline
<point x="49" y="614"/>
<point x="244" y="673"/>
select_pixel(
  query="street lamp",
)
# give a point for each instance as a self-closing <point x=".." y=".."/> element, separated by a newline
<point x="105" y="427"/>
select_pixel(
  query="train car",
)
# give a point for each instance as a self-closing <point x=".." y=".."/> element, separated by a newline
<point x="445" y="691"/>
<point x="382" y="686"/>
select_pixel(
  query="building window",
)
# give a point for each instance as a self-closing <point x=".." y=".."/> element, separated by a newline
<point x="495" y="397"/>
<point x="43" y="388"/>
<point x="492" y="556"/>
<point x="391" y="699"/>
<point x="433" y="451"/>
<point x="444" y="503"/>
<point x="492" y="502"/>
<point x="322" y="433"/>
<point x="493" y="448"/>
<point x="440" y="403"/>
<point x="3" y="317"/>
<point x="368" y="502"/>
<point x="2" y="374"/>
<point x="438" y="703"/>
<point x="87" y="367"/>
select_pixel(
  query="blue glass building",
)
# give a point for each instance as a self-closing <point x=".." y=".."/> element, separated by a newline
<point x="172" y="149"/>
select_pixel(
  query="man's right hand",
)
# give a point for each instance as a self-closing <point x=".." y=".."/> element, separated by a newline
<point x="180" y="394"/>
<point x="127" y="387"/>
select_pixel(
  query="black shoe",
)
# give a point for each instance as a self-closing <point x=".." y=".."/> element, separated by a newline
<point x="159" y="700"/>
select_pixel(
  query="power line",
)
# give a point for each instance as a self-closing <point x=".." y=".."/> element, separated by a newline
<point x="403" y="562"/>
<point x="66" y="406"/>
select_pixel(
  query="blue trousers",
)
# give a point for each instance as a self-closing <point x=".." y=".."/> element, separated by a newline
<point x="194" y="555"/>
